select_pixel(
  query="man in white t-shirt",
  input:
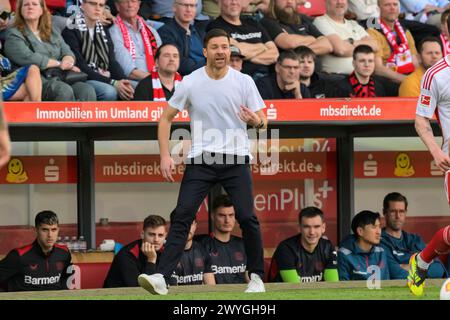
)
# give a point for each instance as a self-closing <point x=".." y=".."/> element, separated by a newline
<point x="221" y="103"/>
<point x="344" y="35"/>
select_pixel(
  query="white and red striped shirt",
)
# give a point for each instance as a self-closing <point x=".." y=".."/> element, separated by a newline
<point x="435" y="97"/>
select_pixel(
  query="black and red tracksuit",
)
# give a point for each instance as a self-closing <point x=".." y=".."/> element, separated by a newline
<point x="127" y="265"/>
<point x="30" y="269"/>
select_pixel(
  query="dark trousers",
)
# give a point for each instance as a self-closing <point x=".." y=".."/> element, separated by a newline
<point x="198" y="179"/>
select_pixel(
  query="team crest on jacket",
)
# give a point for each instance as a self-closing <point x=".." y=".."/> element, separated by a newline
<point x="319" y="265"/>
<point x="199" y="262"/>
<point x="33" y="267"/>
<point x="238" y="256"/>
<point x="59" y="265"/>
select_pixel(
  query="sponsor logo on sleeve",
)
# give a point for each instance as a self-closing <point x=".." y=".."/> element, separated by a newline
<point x="425" y="100"/>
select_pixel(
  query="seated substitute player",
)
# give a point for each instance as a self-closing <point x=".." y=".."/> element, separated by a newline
<point x="227" y="252"/>
<point x="194" y="266"/>
<point x="139" y="256"/>
<point x="307" y="256"/>
<point x="399" y="244"/>
<point x="361" y="250"/>
<point x="41" y="265"/>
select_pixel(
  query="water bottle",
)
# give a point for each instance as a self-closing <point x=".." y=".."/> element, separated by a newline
<point x="74" y="243"/>
<point x="83" y="244"/>
<point x="66" y="242"/>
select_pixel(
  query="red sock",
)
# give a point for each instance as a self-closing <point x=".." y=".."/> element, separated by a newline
<point x="440" y="244"/>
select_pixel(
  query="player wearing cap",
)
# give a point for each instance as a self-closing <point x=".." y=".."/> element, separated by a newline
<point x="307" y="256"/>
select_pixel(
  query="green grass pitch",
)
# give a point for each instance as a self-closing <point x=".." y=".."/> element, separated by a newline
<point x="350" y="290"/>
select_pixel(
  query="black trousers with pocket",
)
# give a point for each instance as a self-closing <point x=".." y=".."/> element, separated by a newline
<point x="197" y="181"/>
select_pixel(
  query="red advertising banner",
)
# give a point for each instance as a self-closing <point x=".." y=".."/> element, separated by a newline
<point x="395" y="164"/>
<point x="289" y="166"/>
<point x="39" y="169"/>
<point x="379" y="109"/>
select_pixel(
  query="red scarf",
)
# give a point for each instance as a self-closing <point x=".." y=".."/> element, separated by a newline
<point x="445" y="44"/>
<point x="148" y="38"/>
<point x="400" y="59"/>
<point x="158" y="92"/>
<point x="361" y="90"/>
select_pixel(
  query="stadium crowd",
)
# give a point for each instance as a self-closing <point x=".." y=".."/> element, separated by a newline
<point x="133" y="50"/>
<point x="140" y="50"/>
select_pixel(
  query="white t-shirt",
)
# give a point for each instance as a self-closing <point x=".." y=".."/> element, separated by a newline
<point x="213" y="107"/>
<point x="435" y="93"/>
<point x="348" y="29"/>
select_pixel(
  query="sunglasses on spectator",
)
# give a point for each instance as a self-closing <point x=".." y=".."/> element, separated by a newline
<point x="95" y="4"/>
<point x="5" y="15"/>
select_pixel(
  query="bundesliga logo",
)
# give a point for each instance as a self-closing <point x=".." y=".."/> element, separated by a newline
<point x="425" y="100"/>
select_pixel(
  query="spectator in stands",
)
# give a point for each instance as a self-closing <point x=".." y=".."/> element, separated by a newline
<point x="318" y="84"/>
<point x="307" y="256"/>
<point x="161" y="84"/>
<point x="211" y="7"/>
<point x="6" y="18"/>
<point x="362" y="250"/>
<point x="162" y="10"/>
<point x="361" y="83"/>
<point x="32" y="41"/>
<point x="285" y="83"/>
<point x="364" y="10"/>
<point x="42" y="265"/>
<point x="430" y="52"/>
<point x="426" y="11"/>
<point x="400" y="245"/>
<point x="23" y="84"/>
<point x="289" y="29"/>
<point x="139" y="256"/>
<point x="397" y="56"/>
<point x="227" y="252"/>
<point x="135" y="43"/>
<point x="445" y="17"/>
<point x="236" y="58"/>
<point x="344" y="36"/>
<point x="94" y="52"/>
<point x="185" y="33"/>
<point x="249" y="36"/>
<point x="194" y="266"/>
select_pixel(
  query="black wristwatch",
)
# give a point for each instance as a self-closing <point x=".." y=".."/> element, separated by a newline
<point x="351" y="40"/>
<point x="259" y="125"/>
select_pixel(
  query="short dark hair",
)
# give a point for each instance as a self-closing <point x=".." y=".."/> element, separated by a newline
<point x="158" y="51"/>
<point x="428" y="39"/>
<point x="394" y="196"/>
<point x="362" y="48"/>
<point x="221" y="201"/>
<point x="154" y="221"/>
<point x="215" y="33"/>
<point x="46" y="217"/>
<point x="288" y="54"/>
<point x="304" y="52"/>
<point x="309" y="212"/>
<point x="363" y="219"/>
